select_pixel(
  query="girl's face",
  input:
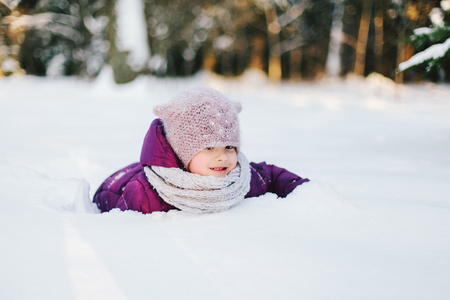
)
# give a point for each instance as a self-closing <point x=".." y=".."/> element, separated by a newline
<point x="217" y="161"/>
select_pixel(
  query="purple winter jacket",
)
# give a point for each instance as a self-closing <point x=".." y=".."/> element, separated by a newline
<point x="128" y="188"/>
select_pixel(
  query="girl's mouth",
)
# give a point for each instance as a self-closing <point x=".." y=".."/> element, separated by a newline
<point x="219" y="169"/>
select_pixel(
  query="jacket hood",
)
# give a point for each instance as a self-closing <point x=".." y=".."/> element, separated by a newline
<point x="156" y="151"/>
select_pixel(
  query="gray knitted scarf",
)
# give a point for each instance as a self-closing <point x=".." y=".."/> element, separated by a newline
<point x="201" y="194"/>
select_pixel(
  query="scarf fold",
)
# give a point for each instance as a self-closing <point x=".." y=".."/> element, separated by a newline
<point x="201" y="194"/>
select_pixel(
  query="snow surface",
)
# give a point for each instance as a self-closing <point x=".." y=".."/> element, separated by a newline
<point x="373" y="223"/>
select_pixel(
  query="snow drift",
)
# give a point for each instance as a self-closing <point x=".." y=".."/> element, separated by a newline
<point x="374" y="222"/>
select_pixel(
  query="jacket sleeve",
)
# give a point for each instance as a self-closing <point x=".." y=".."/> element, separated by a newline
<point x="140" y="196"/>
<point x="108" y="194"/>
<point x="270" y="178"/>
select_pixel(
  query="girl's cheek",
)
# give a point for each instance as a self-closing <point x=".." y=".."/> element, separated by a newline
<point x="234" y="162"/>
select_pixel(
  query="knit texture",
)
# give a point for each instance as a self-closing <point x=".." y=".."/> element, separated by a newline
<point x="201" y="194"/>
<point x="198" y="118"/>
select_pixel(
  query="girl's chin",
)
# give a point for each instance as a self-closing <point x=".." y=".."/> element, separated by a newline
<point x="214" y="172"/>
<point x="218" y="173"/>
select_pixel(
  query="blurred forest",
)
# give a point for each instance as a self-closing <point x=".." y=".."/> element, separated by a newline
<point x="286" y="39"/>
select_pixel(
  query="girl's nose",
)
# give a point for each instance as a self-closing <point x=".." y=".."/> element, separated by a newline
<point x="221" y="155"/>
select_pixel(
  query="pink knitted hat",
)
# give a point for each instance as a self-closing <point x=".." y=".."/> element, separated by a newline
<point x="199" y="118"/>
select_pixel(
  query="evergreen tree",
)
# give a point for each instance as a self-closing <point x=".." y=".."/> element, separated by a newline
<point x="229" y="45"/>
<point x="54" y="37"/>
<point x="315" y="33"/>
<point x="178" y="30"/>
<point x="432" y="47"/>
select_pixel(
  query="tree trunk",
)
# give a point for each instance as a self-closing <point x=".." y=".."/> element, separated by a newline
<point x="117" y="59"/>
<point x="363" y="34"/>
<point x="400" y="55"/>
<point x="379" y="36"/>
<point x="333" y="65"/>
<point x="273" y="35"/>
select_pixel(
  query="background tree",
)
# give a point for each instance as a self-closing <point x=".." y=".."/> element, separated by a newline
<point x="127" y="35"/>
<point x="176" y="36"/>
<point x="375" y="34"/>
<point x="55" y="37"/>
<point x="432" y="47"/>
<point x="228" y="50"/>
<point x="315" y="29"/>
<point x="287" y="39"/>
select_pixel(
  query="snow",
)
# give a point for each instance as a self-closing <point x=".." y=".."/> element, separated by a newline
<point x="223" y="42"/>
<point x="373" y="223"/>
<point x="11" y="4"/>
<point x="445" y="4"/>
<point x="56" y="66"/>
<point x="425" y="30"/>
<point x="434" y="52"/>
<point x="437" y="17"/>
<point x="58" y="24"/>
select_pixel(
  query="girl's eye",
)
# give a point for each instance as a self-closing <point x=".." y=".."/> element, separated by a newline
<point x="230" y="148"/>
<point x="209" y="148"/>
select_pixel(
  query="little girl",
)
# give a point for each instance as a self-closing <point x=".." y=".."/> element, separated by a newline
<point x="191" y="161"/>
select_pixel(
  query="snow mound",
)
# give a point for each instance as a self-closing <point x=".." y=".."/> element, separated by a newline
<point x="70" y="195"/>
<point x="375" y="213"/>
<point x="318" y="197"/>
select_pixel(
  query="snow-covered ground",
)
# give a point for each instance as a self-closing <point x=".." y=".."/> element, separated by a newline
<point x="373" y="223"/>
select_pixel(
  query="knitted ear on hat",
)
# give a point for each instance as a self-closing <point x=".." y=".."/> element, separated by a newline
<point x="161" y="112"/>
<point x="198" y="118"/>
<point x="237" y="107"/>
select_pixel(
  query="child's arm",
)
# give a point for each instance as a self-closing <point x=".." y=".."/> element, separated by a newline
<point x="108" y="194"/>
<point x="140" y="196"/>
<point x="128" y="189"/>
<point x="270" y="178"/>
